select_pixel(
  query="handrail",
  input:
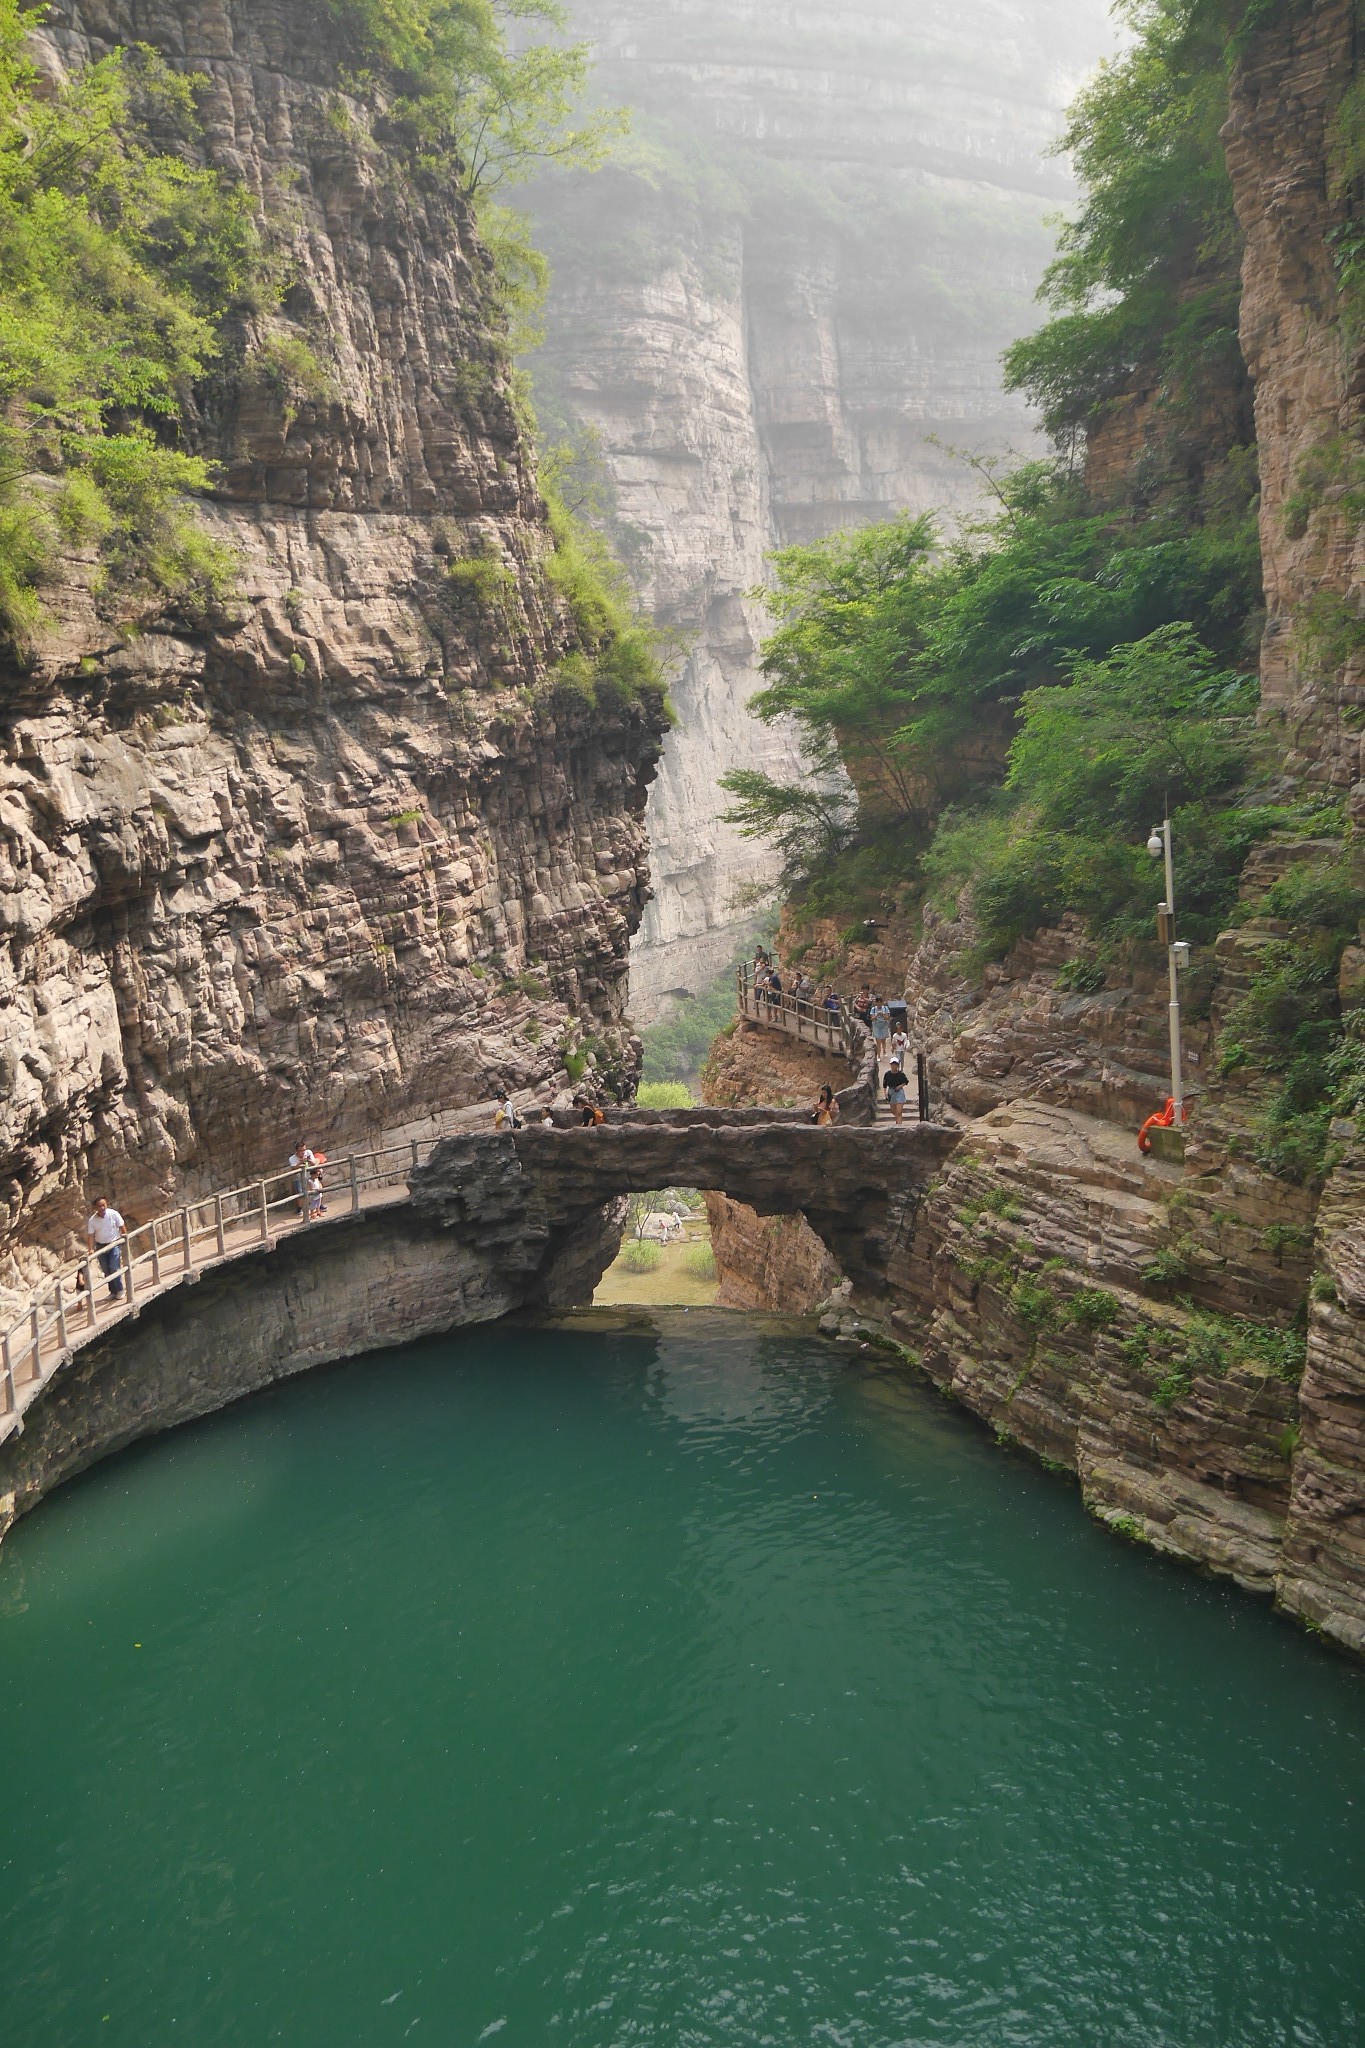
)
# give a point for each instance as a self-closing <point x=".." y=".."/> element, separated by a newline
<point x="839" y="1030"/>
<point x="172" y="1247"/>
<point x="67" y="1309"/>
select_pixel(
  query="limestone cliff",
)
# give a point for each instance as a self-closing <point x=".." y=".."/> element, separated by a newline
<point x="341" y="855"/>
<point x="794" y="283"/>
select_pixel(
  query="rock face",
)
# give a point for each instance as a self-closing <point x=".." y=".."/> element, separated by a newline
<point x="341" y="856"/>
<point x="774" y="1262"/>
<point x="1306" y="356"/>
<point x="796" y="279"/>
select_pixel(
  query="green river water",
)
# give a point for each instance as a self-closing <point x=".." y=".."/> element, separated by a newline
<point x="677" y="1681"/>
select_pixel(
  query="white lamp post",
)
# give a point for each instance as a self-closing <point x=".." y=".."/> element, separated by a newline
<point x="1177" y="954"/>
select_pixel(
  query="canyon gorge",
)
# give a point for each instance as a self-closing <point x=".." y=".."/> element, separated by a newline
<point x="778" y="310"/>
<point x="336" y="852"/>
<point x="1137" y="1321"/>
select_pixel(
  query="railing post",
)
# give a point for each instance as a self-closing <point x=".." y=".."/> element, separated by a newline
<point x="156" y="1258"/>
<point x="416" y="1157"/>
<point x="264" y="1213"/>
<point x="7" y="1373"/>
<point x="355" y="1186"/>
<point x="186" y="1239"/>
<point x="62" y="1338"/>
<point x="92" y="1314"/>
<point x="129" y="1288"/>
<point x="35" y="1338"/>
<point x="218" y="1225"/>
<point x="922" y="1077"/>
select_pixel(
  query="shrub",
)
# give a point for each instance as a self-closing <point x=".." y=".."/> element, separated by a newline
<point x="664" y="1095"/>
<point x="121" y="259"/>
<point x="287" y="366"/>
<point x="1033" y="1304"/>
<point x="639" y="1257"/>
<point x="481" y="588"/>
<point x="1092" y="1309"/>
<point x="700" y="1262"/>
<point x="619" y="659"/>
<point x="1081" y="977"/>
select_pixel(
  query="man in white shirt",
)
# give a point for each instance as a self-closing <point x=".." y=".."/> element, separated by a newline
<point x="900" y="1048"/>
<point x="103" y="1233"/>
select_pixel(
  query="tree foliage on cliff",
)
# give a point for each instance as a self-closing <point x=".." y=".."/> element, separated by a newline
<point x="1144" y="287"/>
<point x="483" y="100"/>
<point x="1016" y="703"/>
<point x="117" y="256"/>
<point x="905" y="656"/>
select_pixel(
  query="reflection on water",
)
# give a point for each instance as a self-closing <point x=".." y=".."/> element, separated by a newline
<point x="677" y="1681"/>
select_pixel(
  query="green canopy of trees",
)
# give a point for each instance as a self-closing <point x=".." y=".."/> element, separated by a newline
<point x="981" y="689"/>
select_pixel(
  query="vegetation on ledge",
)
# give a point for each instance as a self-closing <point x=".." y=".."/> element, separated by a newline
<point x="993" y="720"/>
<point x="118" y="259"/>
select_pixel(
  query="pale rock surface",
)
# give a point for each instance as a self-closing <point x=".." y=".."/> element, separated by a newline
<point x="779" y="310"/>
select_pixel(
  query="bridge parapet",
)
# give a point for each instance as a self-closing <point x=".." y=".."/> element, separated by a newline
<point x="523" y="1193"/>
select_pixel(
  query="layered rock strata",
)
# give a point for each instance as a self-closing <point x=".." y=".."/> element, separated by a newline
<point x="1306" y="352"/>
<point x="1081" y="1298"/>
<point x="339" y="856"/>
<point x="762" y="1261"/>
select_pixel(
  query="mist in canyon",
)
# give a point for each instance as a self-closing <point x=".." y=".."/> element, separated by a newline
<point x="779" y="311"/>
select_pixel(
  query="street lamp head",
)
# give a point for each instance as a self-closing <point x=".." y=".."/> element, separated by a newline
<point x="1156" y="845"/>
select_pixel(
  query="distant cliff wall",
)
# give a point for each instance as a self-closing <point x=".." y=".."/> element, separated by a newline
<point x="794" y="284"/>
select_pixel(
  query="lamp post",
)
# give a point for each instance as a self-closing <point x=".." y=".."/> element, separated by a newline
<point x="1177" y="955"/>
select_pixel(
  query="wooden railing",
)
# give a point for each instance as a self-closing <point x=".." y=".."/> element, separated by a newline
<point x="68" y="1310"/>
<point x="838" y="1031"/>
<point x="834" y="1031"/>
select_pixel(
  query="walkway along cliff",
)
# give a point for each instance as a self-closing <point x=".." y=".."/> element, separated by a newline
<point x="341" y="853"/>
<point x="477" y="1227"/>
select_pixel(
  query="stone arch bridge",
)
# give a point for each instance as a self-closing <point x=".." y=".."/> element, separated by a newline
<point x="529" y="1195"/>
<point x="229" y="1294"/>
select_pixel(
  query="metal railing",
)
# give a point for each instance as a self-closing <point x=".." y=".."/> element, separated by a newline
<point x="173" y="1247"/>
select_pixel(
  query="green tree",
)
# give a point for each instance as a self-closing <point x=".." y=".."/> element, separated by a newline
<point x="117" y="258"/>
<point x="809" y="823"/>
<point x="851" y="613"/>
<point x="485" y="103"/>
<point x="1095" y="762"/>
<point x="1146" y="278"/>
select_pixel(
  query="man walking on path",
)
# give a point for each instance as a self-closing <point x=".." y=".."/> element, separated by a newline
<point x="103" y="1232"/>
